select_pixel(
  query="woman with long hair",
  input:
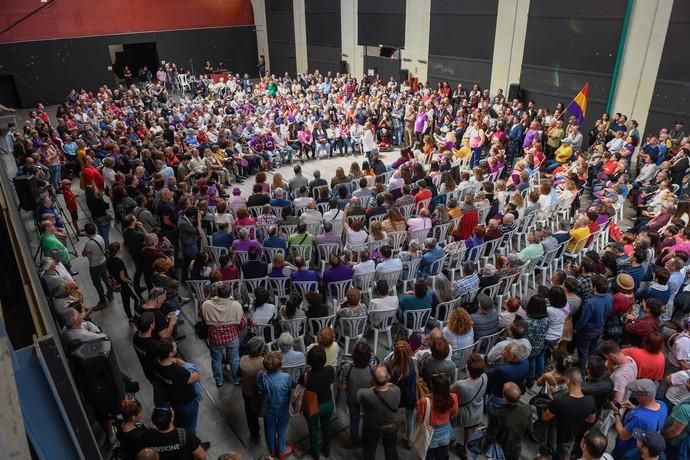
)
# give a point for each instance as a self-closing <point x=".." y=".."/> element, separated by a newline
<point x="440" y="406"/>
<point x="682" y="212"/>
<point x="376" y="232"/>
<point x="447" y="183"/>
<point x="536" y="326"/>
<point x="355" y="171"/>
<point x="440" y="215"/>
<point x="395" y="222"/>
<point x="339" y="178"/>
<point x="403" y="373"/>
<point x="263" y="311"/>
<point x="278" y="182"/>
<point x="443" y="291"/>
<point x="280" y="268"/>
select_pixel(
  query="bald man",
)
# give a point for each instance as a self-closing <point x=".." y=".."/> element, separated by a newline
<point x="493" y="232"/>
<point x="509" y="424"/>
<point x="147" y="454"/>
<point x="378" y="406"/>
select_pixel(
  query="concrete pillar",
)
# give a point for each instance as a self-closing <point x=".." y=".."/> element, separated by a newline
<point x="509" y="43"/>
<point x="300" y="19"/>
<point x="641" y="58"/>
<point x="259" y="7"/>
<point x="415" y="56"/>
<point x="352" y="53"/>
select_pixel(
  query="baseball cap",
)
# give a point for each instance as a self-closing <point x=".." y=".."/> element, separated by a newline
<point x="644" y="386"/>
<point x="651" y="439"/>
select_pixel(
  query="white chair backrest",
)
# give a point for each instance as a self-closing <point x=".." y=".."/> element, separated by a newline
<point x="397" y="239"/>
<point x="235" y="287"/>
<point x="264" y="330"/>
<point x="353" y="327"/>
<point x="280" y="287"/>
<point x="198" y="288"/>
<point x="295" y="372"/>
<point x="303" y="251"/>
<point x="377" y="218"/>
<point x="406" y="210"/>
<point x="443" y="310"/>
<point x="437" y="266"/>
<point x="241" y="257"/>
<point x="382" y="319"/>
<point x="391" y="279"/>
<point x="337" y="290"/>
<point x="297" y="327"/>
<point x="316" y="324"/>
<point x="328" y="249"/>
<point x="270" y="253"/>
<point x="415" y="320"/>
<point x="461" y="355"/>
<point x="218" y="252"/>
<point x="287" y="230"/>
<point x="474" y="253"/>
<point x="252" y="283"/>
<point x="441" y="232"/>
<point x="484" y="344"/>
<point x="421" y="205"/>
<point x="419" y="235"/>
<point x="323" y="208"/>
<point x="490" y="247"/>
<point x="315" y="229"/>
<point x="302" y="287"/>
<point x="491" y="291"/>
<point x="256" y="211"/>
<point x="364" y="281"/>
<point x="412" y="267"/>
<point x="316" y="191"/>
<point x="483" y="213"/>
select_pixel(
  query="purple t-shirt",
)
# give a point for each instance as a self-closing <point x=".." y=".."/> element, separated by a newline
<point x="244" y="245"/>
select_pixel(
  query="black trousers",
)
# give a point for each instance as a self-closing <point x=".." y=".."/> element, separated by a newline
<point x="252" y="410"/>
<point x="370" y="441"/>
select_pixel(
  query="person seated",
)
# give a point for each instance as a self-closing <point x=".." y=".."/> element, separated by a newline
<point x="279" y="199"/>
<point x="222" y="237"/>
<point x="634" y="329"/>
<point x="286" y="344"/>
<point x="244" y="243"/>
<point x="273" y="240"/>
<point x="303" y="272"/>
<point x="432" y="252"/>
<point x="419" y="299"/>
<point x="437" y="362"/>
<point x="469" y="282"/>
<point x="485" y="320"/>
<point x="254" y="267"/>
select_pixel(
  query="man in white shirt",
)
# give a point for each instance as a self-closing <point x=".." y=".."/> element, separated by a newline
<point x="333" y="213"/>
<point x="389" y="264"/>
<point x="303" y="199"/>
<point x="311" y="215"/>
<point x="78" y="329"/>
<point x="421" y="222"/>
<point x="382" y="301"/>
<point x="365" y="265"/>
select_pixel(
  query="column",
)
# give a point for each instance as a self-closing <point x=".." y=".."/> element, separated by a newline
<point x="352" y="53"/>
<point x="259" y="7"/>
<point x="509" y="43"/>
<point x="644" y="45"/>
<point x="300" y="19"/>
<point x="415" y="56"/>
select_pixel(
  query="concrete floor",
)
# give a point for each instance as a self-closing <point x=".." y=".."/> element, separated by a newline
<point x="221" y="415"/>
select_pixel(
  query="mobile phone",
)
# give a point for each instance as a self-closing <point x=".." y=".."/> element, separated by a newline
<point x="177" y="312"/>
<point x="617" y="404"/>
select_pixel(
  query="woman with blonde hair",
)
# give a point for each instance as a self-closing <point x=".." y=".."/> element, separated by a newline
<point x="443" y="290"/>
<point x="519" y="201"/>
<point x="395" y="222"/>
<point x="278" y="182"/>
<point x="376" y="232"/>
<point x="440" y="215"/>
<point x="458" y="331"/>
<point x="403" y="373"/>
<point x="355" y="171"/>
<point x="280" y="268"/>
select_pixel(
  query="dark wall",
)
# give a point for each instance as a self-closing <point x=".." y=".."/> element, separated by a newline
<point x="567" y="45"/>
<point x="280" y="25"/>
<point x="466" y="57"/>
<point x="86" y="18"/>
<point x="46" y="70"/>
<point x="323" y="35"/>
<point x="385" y="67"/>
<point x="671" y="98"/>
<point x="381" y="22"/>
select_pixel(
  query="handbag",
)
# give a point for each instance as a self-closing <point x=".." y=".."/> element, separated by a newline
<point x="420" y="385"/>
<point x="425" y="432"/>
<point x="303" y="400"/>
<point x="201" y="330"/>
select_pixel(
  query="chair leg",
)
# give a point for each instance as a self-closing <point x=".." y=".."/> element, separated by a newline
<point x="376" y="340"/>
<point x="390" y="339"/>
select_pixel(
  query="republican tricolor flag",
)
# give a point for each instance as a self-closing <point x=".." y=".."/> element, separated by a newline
<point x="578" y="106"/>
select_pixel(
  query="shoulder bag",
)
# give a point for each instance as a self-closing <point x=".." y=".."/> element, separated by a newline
<point x="425" y="431"/>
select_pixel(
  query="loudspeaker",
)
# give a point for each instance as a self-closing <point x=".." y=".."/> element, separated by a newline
<point x="98" y="375"/>
<point x="404" y="75"/>
<point x="343" y="68"/>
<point x="514" y="92"/>
<point x="27" y="192"/>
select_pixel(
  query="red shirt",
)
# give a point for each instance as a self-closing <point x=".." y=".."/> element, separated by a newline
<point x="423" y="194"/>
<point x="437" y="419"/>
<point x="622" y="303"/>
<point x="92" y="176"/>
<point x="649" y="365"/>
<point x="70" y="200"/>
<point x="220" y="335"/>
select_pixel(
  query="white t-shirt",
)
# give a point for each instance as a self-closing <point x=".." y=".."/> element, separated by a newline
<point x="363" y="268"/>
<point x="355" y="239"/>
<point x="680" y="350"/>
<point x="557" y="318"/>
<point x="390" y="302"/>
<point x="264" y="313"/>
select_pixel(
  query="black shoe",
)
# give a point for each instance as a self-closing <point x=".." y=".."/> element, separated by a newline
<point x="206" y="445"/>
<point x="180" y="338"/>
<point x="326" y="450"/>
<point x="218" y="385"/>
<point x="73" y="272"/>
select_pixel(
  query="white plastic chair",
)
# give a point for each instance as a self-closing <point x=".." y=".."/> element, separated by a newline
<point x="241" y="257"/>
<point x="280" y="288"/>
<point x="443" y="310"/>
<point x="406" y="210"/>
<point x="453" y="263"/>
<point x="217" y="252"/>
<point x="489" y="252"/>
<point x="365" y="283"/>
<point x="297" y="327"/>
<point x="421" y="205"/>
<point x="250" y="284"/>
<point x="295" y="372"/>
<point x="410" y="271"/>
<point x="460" y="356"/>
<point x="382" y="321"/>
<point x="184" y="83"/>
<point x="419" y="235"/>
<point x="198" y="289"/>
<point x="316" y="324"/>
<point x="304" y="251"/>
<point x="440" y="232"/>
<point x="437" y="265"/>
<point x="270" y="253"/>
<point x="337" y="291"/>
<point x="352" y="328"/>
<point x="397" y="239"/>
<point x="414" y="321"/>
<point x="486" y="343"/>
<point x="286" y="231"/>
<point x="392" y="279"/>
<point x="266" y="331"/>
<point x="325" y="251"/>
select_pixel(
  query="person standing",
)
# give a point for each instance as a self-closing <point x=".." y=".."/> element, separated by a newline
<point x="170" y="442"/>
<point x="94" y="250"/>
<point x="177" y="384"/>
<point x="470" y="393"/>
<point x="378" y="406"/>
<point x="118" y="272"/>
<point x="570" y="412"/>
<point x="276" y="386"/>
<point x="355" y="376"/>
<point x="225" y="319"/>
<point x="442" y="406"/>
<point x="319" y="380"/>
<point x="133" y="236"/>
<point x="509" y="424"/>
<point x="589" y="327"/>
<point x="250" y="365"/>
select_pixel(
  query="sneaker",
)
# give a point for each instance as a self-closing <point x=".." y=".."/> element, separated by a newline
<point x="218" y="385"/>
<point x="288" y="451"/>
<point x="184" y="300"/>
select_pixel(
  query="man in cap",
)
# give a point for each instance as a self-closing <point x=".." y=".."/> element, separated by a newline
<point x="648" y="415"/>
<point x="650" y="444"/>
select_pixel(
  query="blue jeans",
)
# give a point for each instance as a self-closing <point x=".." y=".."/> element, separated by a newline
<point x="218" y="352"/>
<point x="286" y="152"/>
<point x="586" y="343"/>
<point x="186" y="416"/>
<point x="275" y="424"/>
<point x="104" y="231"/>
<point x="547" y="352"/>
<point x="55" y="176"/>
<point x="536" y="365"/>
<point x="476" y="156"/>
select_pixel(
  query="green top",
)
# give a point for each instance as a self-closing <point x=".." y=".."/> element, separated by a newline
<point x="301" y="239"/>
<point x="680" y="414"/>
<point x="50" y="242"/>
<point x="272" y="89"/>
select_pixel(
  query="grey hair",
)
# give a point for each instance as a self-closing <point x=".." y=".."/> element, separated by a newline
<point x="150" y="238"/>
<point x="279" y="192"/>
<point x="244" y="233"/>
<point x="46" y="263"/>
<point x="430" y="243"/>
<point x="69" y="317"/>
<point x="285" y="342"/>
<point x="414" y="244"/>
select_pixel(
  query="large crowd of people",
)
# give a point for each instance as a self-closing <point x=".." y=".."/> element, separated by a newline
<point x="509" y="278"/>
